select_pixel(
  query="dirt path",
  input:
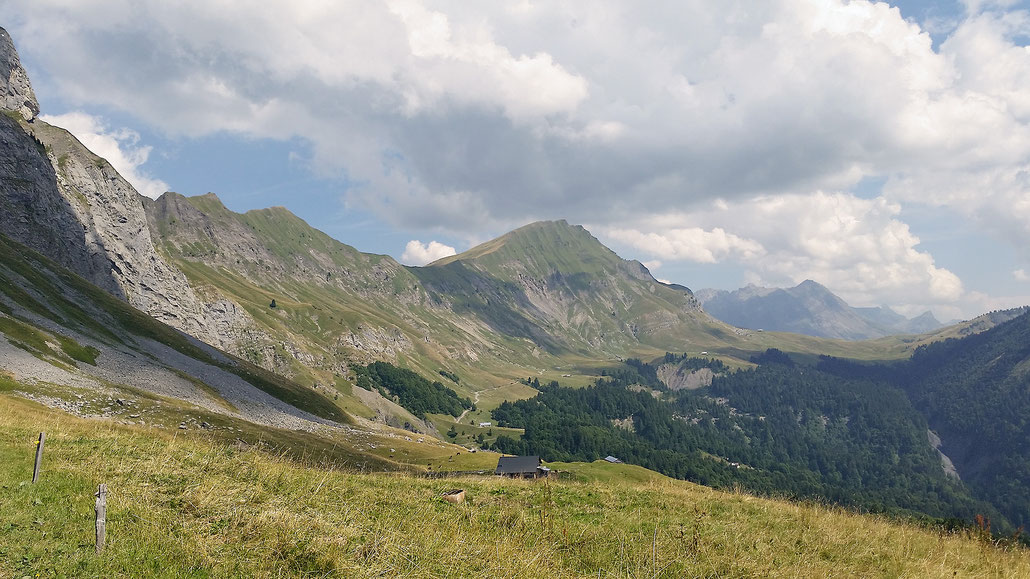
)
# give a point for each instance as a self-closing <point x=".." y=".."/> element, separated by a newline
<point x="475" y="402"/>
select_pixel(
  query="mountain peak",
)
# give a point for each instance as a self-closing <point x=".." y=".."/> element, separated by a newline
<point x="17" y="90"/>
<point x="546" y="246"/>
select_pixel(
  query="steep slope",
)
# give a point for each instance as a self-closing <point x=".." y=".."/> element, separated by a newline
<point x="65" y="202"/>
<point x="810" y="309"/>
<point x="257" y="514"/>
<point x="334" y="306"/>
<point x="555" y="284"/>
<point x="975" y="392"/>
<point x="15" y="87"/>
<point x="61" y="330"/>
<point x="69" y="345"/>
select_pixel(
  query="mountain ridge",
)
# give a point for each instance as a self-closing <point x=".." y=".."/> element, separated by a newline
<point x="809" y="308"/>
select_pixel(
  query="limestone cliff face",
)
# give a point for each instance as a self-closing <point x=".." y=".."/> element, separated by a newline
<point x="37" y="214"/>
<point x="72" y="206"/>
<point x="114" y="226"/>
<point x="17" y="91"/>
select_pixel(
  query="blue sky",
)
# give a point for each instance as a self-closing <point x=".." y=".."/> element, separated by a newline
<point x="880" y="150"/>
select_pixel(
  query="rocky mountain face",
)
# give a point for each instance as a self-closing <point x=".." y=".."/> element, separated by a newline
<point x="65" y="202"/>
<point x="333" y="304"/>
<point x="555" y="284"/>
<point x="810" y="309"/>
<point x="17" y="91"/>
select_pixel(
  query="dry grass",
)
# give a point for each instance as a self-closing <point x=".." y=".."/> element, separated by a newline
<point x="183" y="507"/>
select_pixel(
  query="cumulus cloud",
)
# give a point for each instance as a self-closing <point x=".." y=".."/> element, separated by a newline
<point x="856" y="246"/>
<point x="580" y="109"/>
<point x="1021" y="275"/>
<point x="971" y="141"/>
<point x="471" y="118"/>
<point x="692" y="244"/>
<point x="418" y="253"/>
<point x="120" y="147"/>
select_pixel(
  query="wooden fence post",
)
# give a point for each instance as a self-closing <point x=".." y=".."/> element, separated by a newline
<point x="101" y="517"/>
<point x="39" y="457"/>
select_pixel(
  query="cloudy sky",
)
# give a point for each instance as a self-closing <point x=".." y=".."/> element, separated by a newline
<point x="880" y="149"/>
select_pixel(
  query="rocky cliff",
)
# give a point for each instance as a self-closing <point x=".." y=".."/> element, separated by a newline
<point x="17" y="91"/>
<point x="72" y="206"/>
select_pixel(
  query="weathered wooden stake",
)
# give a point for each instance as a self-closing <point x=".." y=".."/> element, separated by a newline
<point x="39" y="457"/>
<point x="101" y="517"/>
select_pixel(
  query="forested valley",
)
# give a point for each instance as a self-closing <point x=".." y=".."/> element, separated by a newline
<point x="856" y="434"/>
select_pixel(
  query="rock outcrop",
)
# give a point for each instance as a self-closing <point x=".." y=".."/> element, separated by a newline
<point x="17" y="90"/>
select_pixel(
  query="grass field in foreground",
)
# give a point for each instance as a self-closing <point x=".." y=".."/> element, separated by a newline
<point x="186" y="507"/>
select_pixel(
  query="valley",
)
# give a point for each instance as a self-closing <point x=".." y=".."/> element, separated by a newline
<point x="266" y="400"/>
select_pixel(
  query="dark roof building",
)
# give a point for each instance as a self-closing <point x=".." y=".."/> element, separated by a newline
<point x="521" y="466"/>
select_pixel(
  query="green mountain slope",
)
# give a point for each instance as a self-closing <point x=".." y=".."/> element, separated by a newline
<point x="70" y="345"/>
<point x="556" y="284"/>
<point x="547" y="298"/>
<point x="252" y="513"/>
<point x="334" y="307"/>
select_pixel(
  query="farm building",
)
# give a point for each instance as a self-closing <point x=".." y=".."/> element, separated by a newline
<point x="521" y="467"/>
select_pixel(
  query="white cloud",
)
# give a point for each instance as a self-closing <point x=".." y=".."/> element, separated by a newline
<point x="469" y="118"/>
<point x="417" y="253"/>
<point x="982" y="302"/>
<point x="1021" y="275"/>
<point x="855" y="246"/>
<point x="120" y="147"/>
<point x="464" y="62"/>
<point x="613" y="108"/>
<point x="971" y="141"/>
<point x="691" y="244"/>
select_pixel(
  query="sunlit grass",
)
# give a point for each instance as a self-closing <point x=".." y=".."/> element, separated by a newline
<point x="188" y="507"/>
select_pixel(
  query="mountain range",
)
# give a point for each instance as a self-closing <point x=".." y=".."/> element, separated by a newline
<point x="811" y="309"/>
<point x="179" y="313"/>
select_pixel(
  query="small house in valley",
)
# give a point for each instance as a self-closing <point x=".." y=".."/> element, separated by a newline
<point x="521" y="467"/>
<point x="612" y="459"/>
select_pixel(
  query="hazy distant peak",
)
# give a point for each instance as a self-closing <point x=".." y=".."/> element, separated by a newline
<point x="808" y="308"/>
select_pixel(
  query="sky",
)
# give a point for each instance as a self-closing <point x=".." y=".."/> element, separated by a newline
<point x="882" y="150"/>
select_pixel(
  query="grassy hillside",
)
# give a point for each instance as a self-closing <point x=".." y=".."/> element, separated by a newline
<point x="530" y="300"/>
<point x="183" y="506"/>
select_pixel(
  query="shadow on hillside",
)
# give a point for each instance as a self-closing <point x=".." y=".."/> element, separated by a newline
<point x="495" y="302"/>
<point x="37" y="215"/>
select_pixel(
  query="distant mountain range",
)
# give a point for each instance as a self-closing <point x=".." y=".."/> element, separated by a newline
<point x="811" y="309"/>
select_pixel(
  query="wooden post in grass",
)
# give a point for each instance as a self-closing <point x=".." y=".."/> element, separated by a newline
<point x="39" y="457"/>
<point x="101" y="517"/>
